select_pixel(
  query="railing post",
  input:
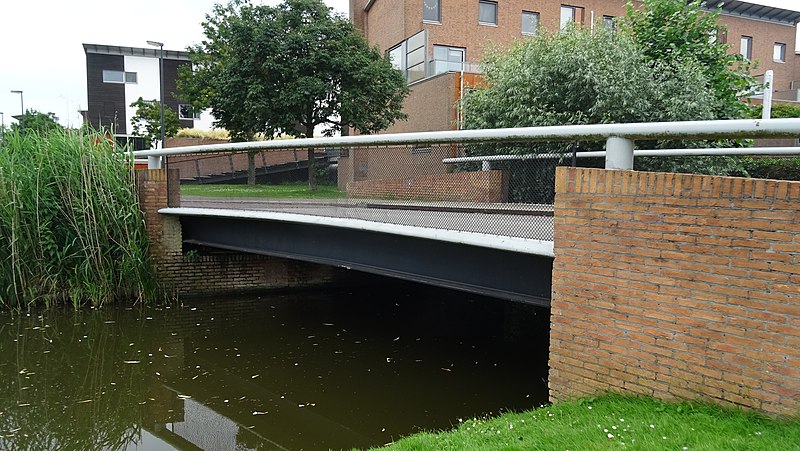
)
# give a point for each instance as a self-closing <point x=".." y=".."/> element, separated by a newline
<point x="619" y="153"/>
<point x="486" y="165"/>
<point x="153" y="162"/>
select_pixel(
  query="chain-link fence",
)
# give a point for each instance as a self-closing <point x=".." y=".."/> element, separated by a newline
<point x="405" y="185"/>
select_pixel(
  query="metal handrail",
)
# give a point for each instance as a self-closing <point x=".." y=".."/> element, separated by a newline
<point x="709" y="151"/>
<point x="619" y="137"/>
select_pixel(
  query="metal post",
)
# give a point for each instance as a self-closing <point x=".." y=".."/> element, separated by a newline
<point x="619" y="153"/>
<point x="161" y="81"/>
<point x="766" y="110"/>
<point x="2" y="128"/>
<point x="486" y="165"/>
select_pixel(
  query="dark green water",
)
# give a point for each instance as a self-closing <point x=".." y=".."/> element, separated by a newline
<point x="332" y="369"/>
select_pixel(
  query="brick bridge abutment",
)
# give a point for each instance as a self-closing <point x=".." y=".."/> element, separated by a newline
<point x="189" y="274"/>
<point x="676" y="286"/>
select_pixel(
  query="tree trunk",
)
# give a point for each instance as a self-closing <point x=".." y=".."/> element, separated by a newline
<point x="251" y="168"/>
<point x="312" y="170"/>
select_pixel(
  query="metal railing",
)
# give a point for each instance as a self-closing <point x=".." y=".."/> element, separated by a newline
<point x="439" y="181"/>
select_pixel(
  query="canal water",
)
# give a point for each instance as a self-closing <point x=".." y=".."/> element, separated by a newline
<point x="309" y="370"/>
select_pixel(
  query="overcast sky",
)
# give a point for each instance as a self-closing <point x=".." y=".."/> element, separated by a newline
<point x="42" y="53"/>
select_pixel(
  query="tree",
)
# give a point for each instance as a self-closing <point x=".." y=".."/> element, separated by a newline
<point x="147" y="120"/>
<point x="287" y="69"/>
<point x="34" y="121"/>
<point x="675" y="31"/>
<point x="583" y="77"/>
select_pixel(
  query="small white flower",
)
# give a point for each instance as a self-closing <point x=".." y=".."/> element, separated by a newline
<point x="605" y="430"/>
<point x="622" y="420"/>
<point x="758" y="432"/>
<point x="613" y="427"/>
<point x="664" y="437"/>
<point x="652" y="426"/>
<point x="610" y="435"/>
<point x="590" y="407"/>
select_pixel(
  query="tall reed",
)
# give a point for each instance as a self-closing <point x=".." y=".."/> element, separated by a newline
<point x="70" y="224"/>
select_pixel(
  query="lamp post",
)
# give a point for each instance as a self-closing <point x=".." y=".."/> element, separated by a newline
<point x="160" y="46"/>
<point x="21" y="107"/>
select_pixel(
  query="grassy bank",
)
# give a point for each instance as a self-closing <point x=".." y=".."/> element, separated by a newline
<point x="615" y="422"/>
<point x="285" y="191"/>
<point x="70" y="225"/>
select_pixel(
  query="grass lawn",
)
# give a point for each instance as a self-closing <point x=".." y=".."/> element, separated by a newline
<point x="614" y="422"/>
<point x="289" y="190"/>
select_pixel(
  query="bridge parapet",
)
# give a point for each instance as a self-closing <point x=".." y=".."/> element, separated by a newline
<point x="677" y="286"/>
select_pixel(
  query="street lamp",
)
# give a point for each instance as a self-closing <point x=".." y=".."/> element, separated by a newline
<point x="21" y="104"/>
<point x="160" y="45"/>
<point x="21" y="107"/>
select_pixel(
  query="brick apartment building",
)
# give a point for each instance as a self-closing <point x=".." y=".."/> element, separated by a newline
<point x="428" y="38"/>
<point x="438" y="45"/>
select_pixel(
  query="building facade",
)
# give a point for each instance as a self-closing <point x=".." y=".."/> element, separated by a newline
<point x="428" y="38"/>
<point x="117" y="76"/>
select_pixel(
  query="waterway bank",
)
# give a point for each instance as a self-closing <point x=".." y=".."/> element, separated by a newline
<point x="338" y="368"/>
<point x="614" y="422"/>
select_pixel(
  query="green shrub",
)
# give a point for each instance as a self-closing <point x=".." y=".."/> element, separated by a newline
<point x="773" y="168"/>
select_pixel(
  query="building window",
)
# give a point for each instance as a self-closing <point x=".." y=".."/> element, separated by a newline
<point x="779" y="52"/>
<point x="746" y="47"/>
<point x="186" y="112"/>
<point x="416" y="56"/>
<point x="609" y="23"/>
<point x="530" y="23"/>
<point x="487" y="12"/>
<point x="397" y="55"/>
<point x="431" y="11"/>
<point x="570" y="14"/>
<point x="118" y="76"/>
<point x="448" y="59"/>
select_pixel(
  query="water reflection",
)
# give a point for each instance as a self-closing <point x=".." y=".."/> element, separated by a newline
<point x="311" y="370"/>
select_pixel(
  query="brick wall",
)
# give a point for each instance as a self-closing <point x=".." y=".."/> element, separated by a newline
<point x="483" y="186"/>
<point x="187" y="274"/>
<point x="677" y="286"/>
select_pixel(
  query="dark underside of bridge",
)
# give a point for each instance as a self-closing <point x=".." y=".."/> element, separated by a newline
<point x="498" y="273"/>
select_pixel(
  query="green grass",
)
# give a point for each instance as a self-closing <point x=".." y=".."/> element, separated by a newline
<point x="285" y="191"/>
<point x="614" y="422"/>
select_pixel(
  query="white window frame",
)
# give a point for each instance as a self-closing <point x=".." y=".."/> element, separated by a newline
<point x="526" y="15"/>
<point x="491" y="3"/>
<point x="746" y="47"/>
<point x="120" y="77"/>
<point x="573" y="15"/>
<point x="183" y="117"/>
<point x="780" y="47"/>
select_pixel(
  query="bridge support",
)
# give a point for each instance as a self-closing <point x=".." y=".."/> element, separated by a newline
<point x="191" y="274"/>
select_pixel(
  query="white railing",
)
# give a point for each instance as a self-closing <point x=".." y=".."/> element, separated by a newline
<point x="620" y="138"/>
<point x="486" y="160"/>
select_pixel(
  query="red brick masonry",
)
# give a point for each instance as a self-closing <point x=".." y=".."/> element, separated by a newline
<point x="483" y="186"/>
<point x="212" y="274"/>
<point x="677" y="286"/>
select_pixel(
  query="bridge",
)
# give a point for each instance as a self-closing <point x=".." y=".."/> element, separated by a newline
<point x="470" y="210"/>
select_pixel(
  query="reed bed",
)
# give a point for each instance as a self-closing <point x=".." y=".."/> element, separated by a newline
<point x="70" y="225"/>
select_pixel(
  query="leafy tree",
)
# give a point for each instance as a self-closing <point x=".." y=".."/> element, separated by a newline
<point x="288" y="69"/>
<point x="34" y="121"/>
<point x="779" y="111"/>
<point x="147" y="120"/>
<point x="678" y="32"/>
<point x="582" y="77"/>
